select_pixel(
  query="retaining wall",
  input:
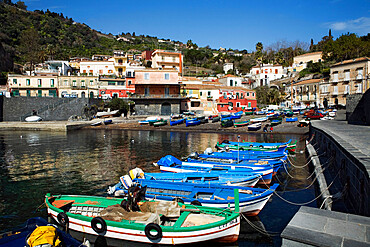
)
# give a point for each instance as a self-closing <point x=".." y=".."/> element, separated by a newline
<point x="353" y="173"/>
<point x="49" y="109"/>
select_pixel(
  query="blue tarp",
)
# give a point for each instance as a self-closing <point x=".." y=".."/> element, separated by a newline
<point x="168" y="160"/>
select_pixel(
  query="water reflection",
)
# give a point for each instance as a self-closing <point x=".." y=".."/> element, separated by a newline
<point x="87" y="162"/>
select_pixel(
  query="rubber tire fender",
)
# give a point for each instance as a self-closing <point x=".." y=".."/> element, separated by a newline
<point x="178" y="199"/>
<point x="261" y="146"/>
<point x="63" y="219"/>
<point x="94" y="225"/>
<point x="149" y="228"/>
<point x="196" y="203"/>
<point x="241" y="149"/>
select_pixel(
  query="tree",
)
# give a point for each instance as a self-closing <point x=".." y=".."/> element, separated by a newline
<point x="119" y="104"/>
<point x="30" y="46"/>
<point x="21" y="5"/>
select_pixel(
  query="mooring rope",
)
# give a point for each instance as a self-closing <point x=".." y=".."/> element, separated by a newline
<point x="286" y="170"/>
<point x="305" y="203"/>
<point x="260" y="230"/>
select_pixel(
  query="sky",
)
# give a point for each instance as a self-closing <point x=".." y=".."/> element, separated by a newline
<point x="235" y="24"/>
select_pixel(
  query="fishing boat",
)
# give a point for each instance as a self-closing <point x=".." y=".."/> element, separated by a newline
<point x="251" y="200"/>
<point x="160" y="123"/>
<point x="243" y="155"/>
<point x="149" y="120"/>
<point x="241" y="124"/>
<point x="291" y="119"/>
<point x="258" y="120"/>
<point x="215" y="119"/>
<point x="192" y="122"/>
<point x="289" y="114"/>
<point x="272" y="146"/>
<point x="227" y="123"/>
<point x="249" y="180"/>
<point x="96" y="123"/>
<point x="212" y="116"/>
<point x="18" y="237"/>
<point x="176" y="121"/>
<point x="275" y="122"/>
<point x="167" y="223"/>
<point x="255" y="126"/>
<point x="204" y="120"/>
<point x="108" y="121"/>
<point x="33" y="119"/>
<point x="303" y="123"/>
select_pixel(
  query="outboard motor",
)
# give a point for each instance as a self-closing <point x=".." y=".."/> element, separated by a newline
<point x="194" y="155"/>
<point x="208" y="151"/>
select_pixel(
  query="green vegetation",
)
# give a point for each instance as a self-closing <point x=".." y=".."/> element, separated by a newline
<point x="267" y="96"/>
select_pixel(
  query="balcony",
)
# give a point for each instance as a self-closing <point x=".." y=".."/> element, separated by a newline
<point x="209" y="98"/>
<point x="346" y="79"/>
<point x="359" y="77"/>
<point x="334" y="93"/>
<point x="156" y="96"/>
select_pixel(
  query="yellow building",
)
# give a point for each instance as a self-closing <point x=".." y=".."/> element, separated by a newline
<point x="348" y="77"/>
<point x="33" y="86"/>
<point x="307" y="92"/>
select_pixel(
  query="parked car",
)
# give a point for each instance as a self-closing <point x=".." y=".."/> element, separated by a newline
<point x="314" y="115"/>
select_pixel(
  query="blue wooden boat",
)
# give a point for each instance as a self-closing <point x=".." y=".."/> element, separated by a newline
<point x="206" y="178"/>
<point x="192" y="122"/>
<point x="291" y="119"/>
<point x="244" y="155"/>
<point x="172" y="164"/>
<point x="251" y="200"/>
<point x="17" y="237"/>
<point x="176" y="121"/>
<point x="257" y="144"/>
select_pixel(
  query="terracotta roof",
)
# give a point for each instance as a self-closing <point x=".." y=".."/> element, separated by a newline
<point x="275" y="65"/>
<point x="188" y="78"/>
<point x="307" y="82"/>
<point x="352" y="61"/>
<point x="228" y="75"/>
<point x="309" y="54"/>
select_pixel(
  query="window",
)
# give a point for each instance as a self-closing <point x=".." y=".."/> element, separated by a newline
<point x="237" y="104"/>
<point x="15" y="93"/>
<point x="28" y="82"/>
<point x="84" y="71"/>
<point x="209" y="93"/>
<point x="28" y="93"/>
<point x="111" y="83"/>
<point x="166" y="76"/>
<point x="276" y="71"/>
<point x="195" y="104"/>
<point x="146" y="91"/>
<point x="249" y="104"/>
<point x="14" y="81"/>
<point x="100" y="71"/>
<point x="335" y="75"/>
<point x="346" y="75"/>
<point x="65" y="82"/>
<point x="253" y="94"/>
<point x="257" y="72"/>
<point x="129" y="74"/>
<point x="247" y="94"/>
<point x="231" y="83"/>
<point x="167" y="91"/>
<point x="146" y="76"/>
<point x="74" y="83"/>
<point x="129" y="82"/>
<point x="201" y="93"/>
<point x="91" y="82"/>
<point x="52" y="93"/>
<point x="237" y="95"/>
<point x="51" y="82"/>
<point x="39" y="93"/>
<point x="83" y="83"/>
<point x="39" y="83"/>
<point x="209" y="104"/>
<point x="120" y="83"/>
<point x="110" y="71"/>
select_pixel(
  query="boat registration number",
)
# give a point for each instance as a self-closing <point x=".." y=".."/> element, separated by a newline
<point x="228" y="223"/>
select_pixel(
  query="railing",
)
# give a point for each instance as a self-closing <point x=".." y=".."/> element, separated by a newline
<point x="359" y="77"/>
<point x="157" y="96"/>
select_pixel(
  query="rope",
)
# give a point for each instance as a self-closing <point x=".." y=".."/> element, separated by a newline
<point x="308" y="162"/>
<point x="260" y="230"/>
<point x="286" y="170"/>
<point x="305" y="203"/>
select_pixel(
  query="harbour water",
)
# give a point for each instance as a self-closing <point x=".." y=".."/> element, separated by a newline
<point x="88" y="161"/>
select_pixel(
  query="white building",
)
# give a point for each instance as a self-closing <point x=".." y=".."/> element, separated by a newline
<point x="96" y="68"/>
<point x="265" y="73"/>
<point x="228" y="66"/>
<point x="231" y="81"/>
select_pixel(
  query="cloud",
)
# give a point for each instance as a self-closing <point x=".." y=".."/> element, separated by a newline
<point x="360" y="25"/>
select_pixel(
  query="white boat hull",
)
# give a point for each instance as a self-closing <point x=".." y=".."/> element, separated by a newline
<point x="224" y="233"/>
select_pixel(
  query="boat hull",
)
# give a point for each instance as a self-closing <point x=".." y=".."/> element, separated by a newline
<point x="226" y="230"/>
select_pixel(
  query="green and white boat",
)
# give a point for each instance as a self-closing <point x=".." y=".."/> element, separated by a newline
<point x="160" y="123"/>
<point x="167" y="223"/>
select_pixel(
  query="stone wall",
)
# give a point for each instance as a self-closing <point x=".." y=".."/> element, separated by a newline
<point x="49" y="109"/>
<point x="352" y="173"/>
<point x="154" y="107"/>
<point x="358" y="108"/>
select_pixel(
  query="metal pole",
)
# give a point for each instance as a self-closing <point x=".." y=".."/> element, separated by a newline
<point x="238" y="148"/>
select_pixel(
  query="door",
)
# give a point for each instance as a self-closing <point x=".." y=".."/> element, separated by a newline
<point x="166" y="109"/>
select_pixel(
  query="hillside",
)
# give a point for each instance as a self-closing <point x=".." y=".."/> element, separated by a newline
<point x="60" y="37"/>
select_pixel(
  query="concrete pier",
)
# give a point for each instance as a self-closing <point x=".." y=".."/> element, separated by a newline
<point x="315" y="227"/>
<point x="43" y="126"/>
